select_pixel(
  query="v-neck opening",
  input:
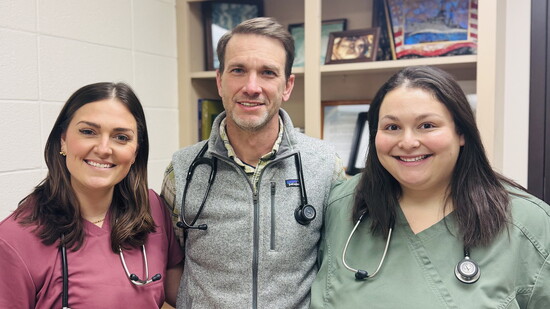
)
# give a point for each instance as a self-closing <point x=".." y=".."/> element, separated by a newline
<point x="94" y="230"/>
<point x="442" y="226"/>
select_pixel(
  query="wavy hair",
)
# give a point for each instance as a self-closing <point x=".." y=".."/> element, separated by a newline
<point x="53" y="207"/>
<point x="481" y="202"/>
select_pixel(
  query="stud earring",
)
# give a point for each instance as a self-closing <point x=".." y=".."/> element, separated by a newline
<point x="63" y="153"/>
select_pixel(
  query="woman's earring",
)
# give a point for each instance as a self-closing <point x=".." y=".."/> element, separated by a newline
<point x="63" y="153"/>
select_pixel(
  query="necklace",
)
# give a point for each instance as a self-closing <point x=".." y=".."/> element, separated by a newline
<point x="98" y="221"/>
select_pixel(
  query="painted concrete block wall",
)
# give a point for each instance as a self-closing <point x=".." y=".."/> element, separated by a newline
<point x="49" y="49"/>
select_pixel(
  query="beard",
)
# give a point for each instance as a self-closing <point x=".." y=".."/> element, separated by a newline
<point x="252" y="124"/>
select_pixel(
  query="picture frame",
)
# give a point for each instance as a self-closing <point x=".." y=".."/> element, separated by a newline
<point x="431" y="28"/>
<point x="338" y="124"/>
<point x="222" y="16"/>
<point x="350" y="46"/>
<point x="359" y="145"/>
<point x="297" y="32"/>
<point x="386" y="46"/>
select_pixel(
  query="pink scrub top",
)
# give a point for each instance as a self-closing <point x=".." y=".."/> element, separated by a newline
<point x="31" y="274"/>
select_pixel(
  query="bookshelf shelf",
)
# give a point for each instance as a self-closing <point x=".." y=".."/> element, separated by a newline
<point x="315" y="82"/>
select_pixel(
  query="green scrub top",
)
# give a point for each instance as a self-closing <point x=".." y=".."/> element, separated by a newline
<point x="418" y="271"/>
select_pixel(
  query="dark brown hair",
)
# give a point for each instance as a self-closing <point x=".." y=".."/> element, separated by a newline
<point x="478" y="194"/>
<point x="265" y="26"/>
<point x="53" y="207"/>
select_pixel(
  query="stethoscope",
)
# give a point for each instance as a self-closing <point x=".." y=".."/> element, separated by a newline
<point x="133" y="277"/>
<point x="303" y="214"/>
<point x="467" y="271"/>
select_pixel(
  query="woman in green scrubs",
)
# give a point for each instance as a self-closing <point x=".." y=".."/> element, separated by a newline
<point x="458" y="234"/>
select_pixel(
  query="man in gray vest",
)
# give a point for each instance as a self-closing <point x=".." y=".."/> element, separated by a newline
<point x="248" y="202"/>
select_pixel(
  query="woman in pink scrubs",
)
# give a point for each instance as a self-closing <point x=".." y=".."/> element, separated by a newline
<point x="94" y="204"/>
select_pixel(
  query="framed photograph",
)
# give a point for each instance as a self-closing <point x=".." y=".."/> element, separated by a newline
<point x="297" y="32"/>
<point x="222" y="16"/>
<point x="352" y="46"/>
<point x="338" y="121"/>
<point x="428" y="28"/>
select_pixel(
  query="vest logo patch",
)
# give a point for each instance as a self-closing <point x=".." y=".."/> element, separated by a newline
<point x="292" y="183"/>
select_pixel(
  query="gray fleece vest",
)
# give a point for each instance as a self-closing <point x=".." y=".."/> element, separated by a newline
<point x="254" y="254"/>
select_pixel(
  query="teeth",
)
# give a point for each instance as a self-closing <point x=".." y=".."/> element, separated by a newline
<point x="249" y="104"/>
<point x="98" y="164"/>
<point x="413" y="159"/>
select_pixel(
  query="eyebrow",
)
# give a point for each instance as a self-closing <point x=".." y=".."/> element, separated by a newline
<point x="97" y="126"/>
<point x="242" y="65"/>
<point x="418" y="118"/>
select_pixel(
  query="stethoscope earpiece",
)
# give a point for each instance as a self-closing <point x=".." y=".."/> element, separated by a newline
<point x="361" y="274"/>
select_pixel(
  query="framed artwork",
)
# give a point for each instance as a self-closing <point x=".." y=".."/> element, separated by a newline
<point x="222" y="16"/>
<point x="338" y="121"/>
<point x="428" y="28"/>
<point x="297" y="32"/>
<point x="352" y="46"/>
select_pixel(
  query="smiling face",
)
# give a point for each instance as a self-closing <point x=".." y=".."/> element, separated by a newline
<point x="417" y="142"/>
<point x="101" y="144"/>
<point x="253" y="84"/>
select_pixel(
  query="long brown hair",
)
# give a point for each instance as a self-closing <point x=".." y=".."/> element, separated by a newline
<point x="478" y="194"/>
<point x="53" y="207"/>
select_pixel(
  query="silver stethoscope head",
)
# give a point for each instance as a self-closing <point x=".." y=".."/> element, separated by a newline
<point x="467" y="271"/>
<point x="133" y="277"/>
<point x="359" y="273"/>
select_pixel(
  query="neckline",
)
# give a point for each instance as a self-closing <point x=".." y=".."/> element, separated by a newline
<point x="446" y="225"/>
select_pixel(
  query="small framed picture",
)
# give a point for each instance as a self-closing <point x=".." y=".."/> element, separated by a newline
<point x="338" y="121"/>
<point x="297" y="32"/>
<point x="353" y="46"/>
<point x="222" y="16"/>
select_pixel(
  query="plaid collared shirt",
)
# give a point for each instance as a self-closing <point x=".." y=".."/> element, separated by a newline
<point x="253" y="172"/>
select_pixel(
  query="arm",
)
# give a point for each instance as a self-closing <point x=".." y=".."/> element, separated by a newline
<point x="540" y="296"/>
<point x="172" y="283"/>
<point x="17" y="289"/>
<point x="174" y="268"/>
<point x="168" y="194"/>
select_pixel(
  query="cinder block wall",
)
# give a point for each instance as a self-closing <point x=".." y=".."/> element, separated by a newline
<point x="50" y="48"/>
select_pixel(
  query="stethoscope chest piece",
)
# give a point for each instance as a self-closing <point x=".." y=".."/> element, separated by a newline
<point x="467" y="271"/>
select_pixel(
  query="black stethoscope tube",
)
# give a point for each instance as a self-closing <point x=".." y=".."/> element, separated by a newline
<point x="303" y="214"/>
<point x="65" y="272"/>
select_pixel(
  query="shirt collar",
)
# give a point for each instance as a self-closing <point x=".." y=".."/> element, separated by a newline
<point x="231" y="152"/>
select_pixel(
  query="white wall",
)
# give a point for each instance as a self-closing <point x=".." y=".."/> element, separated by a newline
<point x="515" y="157"/>
<point x="50" y="48"/>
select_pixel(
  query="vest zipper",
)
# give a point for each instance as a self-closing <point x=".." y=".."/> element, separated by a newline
<point x="272" y="246"/>
<point x="255" y="253"/>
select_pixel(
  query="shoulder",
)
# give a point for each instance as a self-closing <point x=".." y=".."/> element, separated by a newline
<point x="526" y="207"/>
<point x="22" y="240"/>
<point x="344" y="190"/>
<point x="158" y="209"/>
<point x="313" y="145"/>
<point x="532" y="217"/>
<point x="342" y="195"/>
<point x="186" y="151"/>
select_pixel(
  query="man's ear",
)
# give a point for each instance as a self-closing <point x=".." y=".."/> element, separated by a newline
<point x="289" y="85"/>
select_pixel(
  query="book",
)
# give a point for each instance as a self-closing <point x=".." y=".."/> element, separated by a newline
<point x="209" y="109"/>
